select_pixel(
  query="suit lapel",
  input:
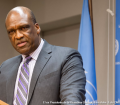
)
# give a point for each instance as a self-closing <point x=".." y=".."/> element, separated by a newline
<point x="42" y="60"/>
<point x="11" y="81"/>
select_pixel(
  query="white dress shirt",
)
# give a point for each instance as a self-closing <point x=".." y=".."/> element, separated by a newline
<point x="34" y="56"/>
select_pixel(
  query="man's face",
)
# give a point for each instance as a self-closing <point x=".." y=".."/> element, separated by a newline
<point x="22" y="32"/>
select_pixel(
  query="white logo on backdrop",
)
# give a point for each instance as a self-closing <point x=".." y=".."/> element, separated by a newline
<point x="93" y="102"/>
<point x="116" y="46"/>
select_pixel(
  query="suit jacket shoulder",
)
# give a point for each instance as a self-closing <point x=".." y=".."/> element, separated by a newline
<point x="65" y="53"/>
<point x="10" y="62"/>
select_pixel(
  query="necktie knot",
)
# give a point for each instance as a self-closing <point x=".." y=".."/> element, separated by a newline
<point x="28" y="59"/>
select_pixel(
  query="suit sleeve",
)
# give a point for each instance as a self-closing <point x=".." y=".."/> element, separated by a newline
<point x="73" y="80"/>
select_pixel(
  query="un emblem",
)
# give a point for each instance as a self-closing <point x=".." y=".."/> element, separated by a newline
<point x="116" y="46"/>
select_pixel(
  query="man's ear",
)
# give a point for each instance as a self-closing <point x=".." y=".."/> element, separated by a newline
<point x="37" y="28"/>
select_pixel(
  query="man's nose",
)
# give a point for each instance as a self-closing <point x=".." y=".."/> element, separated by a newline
<point x="18" y="35"/>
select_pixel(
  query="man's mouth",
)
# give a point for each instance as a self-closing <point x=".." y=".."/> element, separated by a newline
<point x="21" y="44"/>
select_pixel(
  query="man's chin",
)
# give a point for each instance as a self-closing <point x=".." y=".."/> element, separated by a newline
<point x="23" y="51"/>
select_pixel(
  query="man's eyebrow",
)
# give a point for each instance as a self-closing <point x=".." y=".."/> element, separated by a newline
<point x="9" y="29"/>
<point x="25" y="25"/>
<point x="20" y="26"/>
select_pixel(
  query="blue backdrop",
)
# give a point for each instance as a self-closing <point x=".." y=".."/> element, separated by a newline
<point x="117" y="54"/>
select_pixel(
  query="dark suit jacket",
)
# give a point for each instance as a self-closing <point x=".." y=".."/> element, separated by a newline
<point x="58" y="76"/>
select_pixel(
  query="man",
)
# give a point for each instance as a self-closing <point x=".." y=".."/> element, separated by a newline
<point x="43" y="73"/>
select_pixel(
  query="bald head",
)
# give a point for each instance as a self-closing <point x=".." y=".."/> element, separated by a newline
<point x="22" y="11"/>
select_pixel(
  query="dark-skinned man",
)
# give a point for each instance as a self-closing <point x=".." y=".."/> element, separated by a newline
<point x="43" y="73"/>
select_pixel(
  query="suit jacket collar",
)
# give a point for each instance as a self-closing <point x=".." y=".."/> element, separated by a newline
<point x="47" y="47"/>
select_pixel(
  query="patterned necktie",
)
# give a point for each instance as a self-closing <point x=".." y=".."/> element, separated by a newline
<point x="22" y="89"/>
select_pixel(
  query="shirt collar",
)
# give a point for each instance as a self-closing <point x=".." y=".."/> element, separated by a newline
<point x="35" y="54"/>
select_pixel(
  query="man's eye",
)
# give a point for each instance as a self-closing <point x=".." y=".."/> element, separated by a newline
<point x="24" y="28"/>
<point x="11" y="32"/>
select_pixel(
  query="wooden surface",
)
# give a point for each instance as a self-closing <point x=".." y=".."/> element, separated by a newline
<point x="3" y="103"/>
